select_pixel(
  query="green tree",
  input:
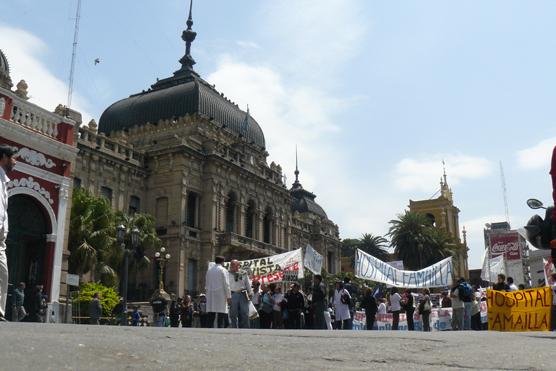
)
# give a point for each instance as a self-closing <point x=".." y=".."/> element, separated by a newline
<point x="416" y="242"/>
<point x="108" y="298"/>
<point x="91" y="236"/>
<point x="375" y="246"/>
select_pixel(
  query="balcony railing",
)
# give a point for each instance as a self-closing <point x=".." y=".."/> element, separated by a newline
<point x="34" y="118"/>
<point x="249" y="244"/>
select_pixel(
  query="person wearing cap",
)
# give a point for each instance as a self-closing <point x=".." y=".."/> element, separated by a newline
<point x="7" y="164"/>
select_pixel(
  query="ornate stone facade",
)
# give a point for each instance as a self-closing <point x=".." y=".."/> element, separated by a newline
<point x="444" y="214"/>
<point x="39" y="192"/>
<point x="191" y="158"/>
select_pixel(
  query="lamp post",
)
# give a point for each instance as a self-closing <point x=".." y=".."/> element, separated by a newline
<point x="160" y="298"/>
<point x="121" y="232"/>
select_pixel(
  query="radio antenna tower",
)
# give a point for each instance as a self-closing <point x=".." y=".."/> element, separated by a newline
<point x="505" y="193"/>
<point x="74" y="53"/>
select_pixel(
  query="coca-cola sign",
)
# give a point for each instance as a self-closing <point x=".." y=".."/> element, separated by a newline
<point x="508" y="244"/>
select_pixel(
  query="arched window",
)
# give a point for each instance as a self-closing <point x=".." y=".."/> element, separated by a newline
<point x="267" y="226"/>
<point x="250" y="219"/>
<point x="432" y="220"/>
<point x="231" y="206"/>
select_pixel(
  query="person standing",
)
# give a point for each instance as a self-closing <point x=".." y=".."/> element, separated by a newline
<point x="201" y="311"/>
<point x="457" y="308"/>
<point x="295" y="302"/>
<point x="425" y="307"/>
<point x="501" y="285"/>
<point x="119" y="314"/>
<point x="369" y="305"/>
<point x="267" y="305"/>
<point x="7" y="163"/>
<point x="219" y="295"/>
<point x="186" y="312"/>
<point x="476" y="313"/>
<point x="135" y="316"/>
<point x="175" y="312"/>
<point x="353" y="294"/>
<point x="395" y="307"/>
<point x="342" y="298"/>
<point x="256" y="300"/>
<point x="95" y="310"/>
<point x="409" y="307"/>
<point x="19" y="296"/>
<point x="277" y="308"/>
<point x="318" y="303"/>
<point x="241" y="291"/>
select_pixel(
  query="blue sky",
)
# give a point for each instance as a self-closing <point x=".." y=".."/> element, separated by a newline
<point x="374" y="93"/>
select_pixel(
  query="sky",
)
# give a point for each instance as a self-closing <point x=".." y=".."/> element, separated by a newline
<point x="375" y="94"/>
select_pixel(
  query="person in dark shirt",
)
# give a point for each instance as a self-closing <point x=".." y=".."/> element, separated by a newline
<point x="175" y="312"/>
<point x="318" y="303"/>
<point x="501" y="285"/>
<point x="186" y="314"/>
<point x="369" y="305"/>
<point x="295" y="303"/>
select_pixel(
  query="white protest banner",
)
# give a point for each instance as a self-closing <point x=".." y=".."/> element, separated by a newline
<point x="313" y="260"/>
<point x="370" y="268"/>
<point x="277" y="268"/>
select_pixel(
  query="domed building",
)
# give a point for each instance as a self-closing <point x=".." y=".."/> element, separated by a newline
<point x="189" y="156"/>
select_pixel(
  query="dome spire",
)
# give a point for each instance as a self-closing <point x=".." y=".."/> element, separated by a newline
<point x="188" y="36"/>
<point x="296" y="184"/>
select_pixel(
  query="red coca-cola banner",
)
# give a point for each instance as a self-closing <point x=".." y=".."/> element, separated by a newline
<point x="507" y="243"/>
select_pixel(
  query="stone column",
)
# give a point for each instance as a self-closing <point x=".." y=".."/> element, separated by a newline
<point x="63" y="196"/>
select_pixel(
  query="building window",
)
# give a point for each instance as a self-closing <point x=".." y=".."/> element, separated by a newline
<point x="330" y="263"/>
<point x="134" y="205"/>
<point x="161" y="215"/>
<point x="192" y="276"/>
<point x="76" y="183"/>
<point x="192" y="210"/>
<point x="231" y="206"/>
<point x="106" y="193"/>
<point x="267" y="226"/>
<point x="250" y="220"/>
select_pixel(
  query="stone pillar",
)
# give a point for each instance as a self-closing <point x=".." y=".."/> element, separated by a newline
<point x="63" y="196"/>
<point x="242" y="208"/>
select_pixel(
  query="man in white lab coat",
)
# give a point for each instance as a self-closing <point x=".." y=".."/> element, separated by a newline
<point x="218" y="293"/>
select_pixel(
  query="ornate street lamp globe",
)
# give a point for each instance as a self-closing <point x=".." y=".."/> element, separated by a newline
<point x="167" y="256"/>
<point x="120" y="233"/>
<point x="162" y="250"/>
<point x="157" y="255"/>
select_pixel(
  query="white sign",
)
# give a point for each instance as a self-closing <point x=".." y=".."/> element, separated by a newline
<point x="277" y="268"/>
<point x="72" y="279"/>
<point x="313" y="260"/>
<point x="370" y="268"/>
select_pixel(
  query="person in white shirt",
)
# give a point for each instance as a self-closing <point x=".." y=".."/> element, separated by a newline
<point x="240" y="285"/>
<point x="7" y="163"/>
<point x="511" y="284"/>
<point x="218" y="293"/>
<point x="341" y="307"/>
<point x="382" y="307"/>
<point x="395" y="307"/>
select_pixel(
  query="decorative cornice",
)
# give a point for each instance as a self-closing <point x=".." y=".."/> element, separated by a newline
<point x="35" y="158"/>
<point x="29" y="182"/>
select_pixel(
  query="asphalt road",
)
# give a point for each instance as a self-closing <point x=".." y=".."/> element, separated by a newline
<point x="27" y="346"/>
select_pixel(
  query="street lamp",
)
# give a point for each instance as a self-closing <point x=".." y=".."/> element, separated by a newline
<point x="160" y="298"/>
<point x="121" y="232"/>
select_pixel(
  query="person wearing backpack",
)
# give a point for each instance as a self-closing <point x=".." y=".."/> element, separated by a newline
<point x="465" y="292"/>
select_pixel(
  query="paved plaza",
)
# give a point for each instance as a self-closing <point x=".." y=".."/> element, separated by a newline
<point x="71" y="347"/>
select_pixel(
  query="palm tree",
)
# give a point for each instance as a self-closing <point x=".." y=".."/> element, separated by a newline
<point x="91" y="235"/>
<point x="375" y="246"/>
<point x="416" y="242"/>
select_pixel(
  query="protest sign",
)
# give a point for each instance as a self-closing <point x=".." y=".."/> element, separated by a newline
<point x="313" y="260"/>
<point x="370" y="268"/>
<point x="524" y="310"/>
<point x="277" y="268"/>
<point x="440" y="320"/>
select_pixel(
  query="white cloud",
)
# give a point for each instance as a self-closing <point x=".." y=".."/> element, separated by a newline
<point x="420" y="174"/>
<point x="538" y="156"/>
<point x="25" y="52"/>
<point x="247" y="44"/>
